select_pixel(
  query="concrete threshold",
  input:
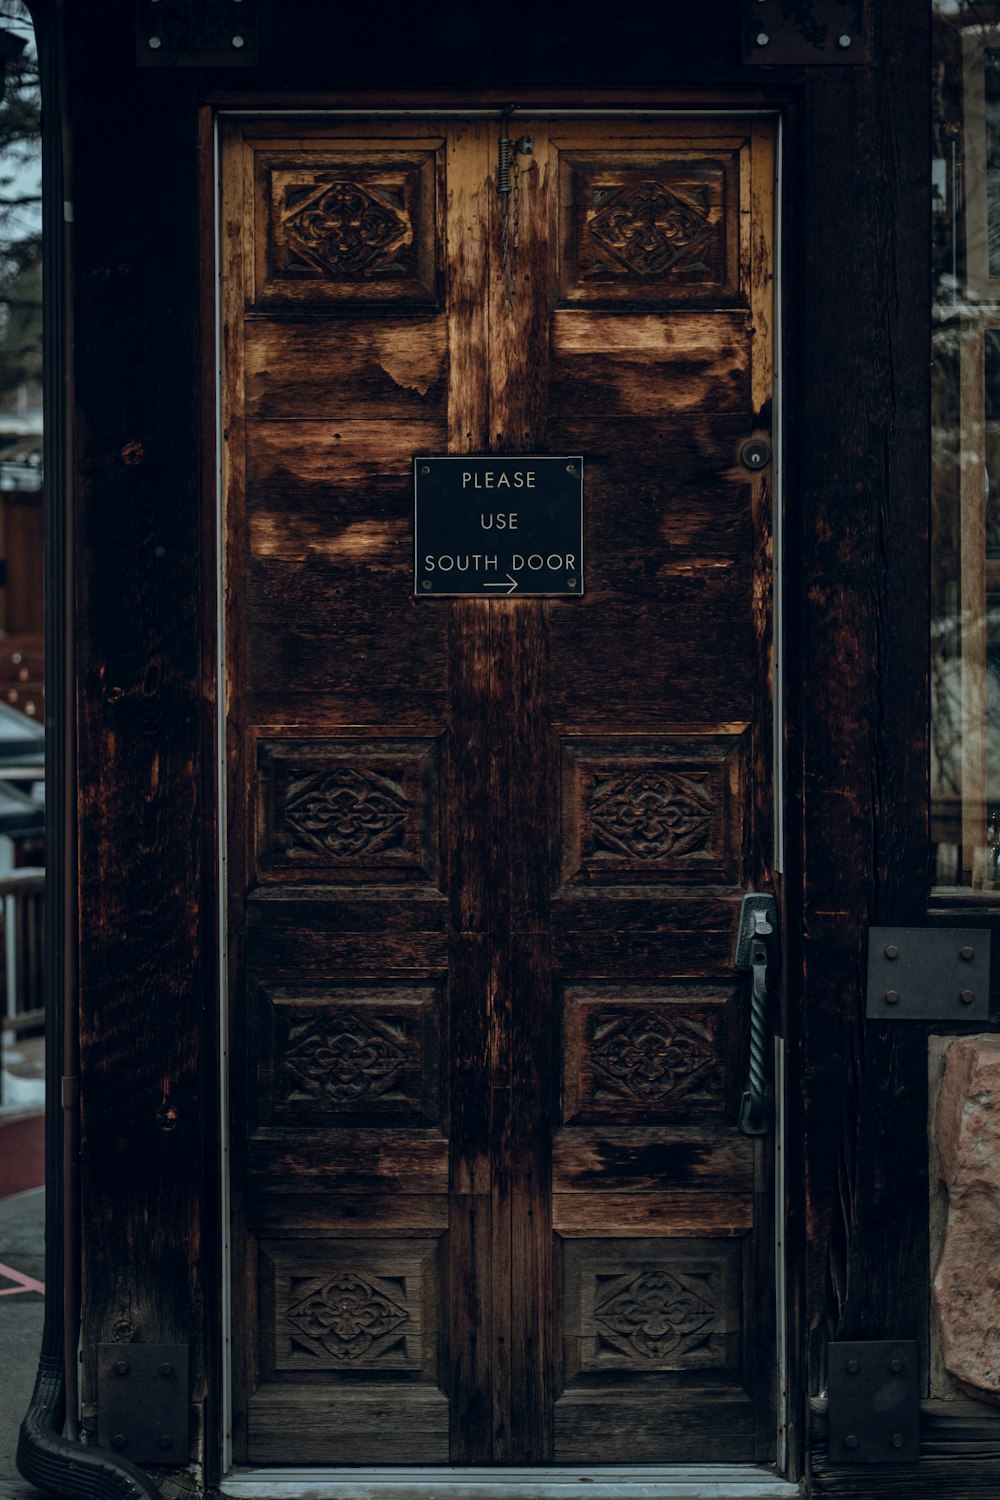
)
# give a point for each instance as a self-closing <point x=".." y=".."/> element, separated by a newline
<point x="692" y="1482"/>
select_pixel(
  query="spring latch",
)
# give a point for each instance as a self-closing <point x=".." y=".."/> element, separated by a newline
<point x="505" y="159"/>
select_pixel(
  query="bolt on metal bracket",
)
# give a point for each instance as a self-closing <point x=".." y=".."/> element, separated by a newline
<point x="144" y="1401"/>
<point x="873" y="1405"/>
<point x="928" y="974"/>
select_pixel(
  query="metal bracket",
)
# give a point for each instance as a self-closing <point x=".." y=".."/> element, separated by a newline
<point x="928" y="974"/>
<point x="804" y="33"/>
<point x="144" y="1401"/>
<point x="873" y="1406"/>
<point x="196" y="33"/>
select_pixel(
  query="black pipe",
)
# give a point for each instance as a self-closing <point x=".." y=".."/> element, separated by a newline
<point x="45" y="1457"/>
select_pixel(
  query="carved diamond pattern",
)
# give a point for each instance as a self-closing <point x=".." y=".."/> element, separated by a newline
<point x="647" y="230"/>
<point x="649" y="1056"/>
<point x="344" y="1060"/>
<point x="348" y="1317"/>
<point x="651" y="814"/>
<point x="346" y="813"/>
<point x="654" y="1315"/>
<point x="346" y="229"/>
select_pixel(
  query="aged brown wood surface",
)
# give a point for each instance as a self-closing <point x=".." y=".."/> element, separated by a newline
<point x="486" y="857"/>
<point x="959" y="1458"/>
<point x="136" y="495"/>
<point x="857" y="639"/>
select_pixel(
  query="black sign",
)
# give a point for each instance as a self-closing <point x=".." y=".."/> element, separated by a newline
<point x="498" y="527"/>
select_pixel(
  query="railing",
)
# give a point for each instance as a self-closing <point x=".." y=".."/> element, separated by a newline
<point x="22" y="896"/>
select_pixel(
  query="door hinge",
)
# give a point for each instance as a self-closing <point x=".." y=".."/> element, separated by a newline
<point x="873" y="1406"/>
<point x="928" y="974"/>
<point x="144" y="1401"/>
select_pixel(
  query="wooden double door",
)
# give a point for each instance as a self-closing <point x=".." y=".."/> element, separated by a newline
<point x="486" y="855"/>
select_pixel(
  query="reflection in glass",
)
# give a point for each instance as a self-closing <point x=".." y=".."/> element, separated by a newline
<point x="965" y="568"/>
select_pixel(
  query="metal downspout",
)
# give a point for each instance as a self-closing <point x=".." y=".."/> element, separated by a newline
<point x="45" y="1457"/>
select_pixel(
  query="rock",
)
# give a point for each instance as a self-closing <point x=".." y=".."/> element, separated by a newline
<point x="967" y="1281"/>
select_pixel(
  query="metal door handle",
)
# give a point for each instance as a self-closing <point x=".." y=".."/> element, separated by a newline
<point x="758" y="920"/>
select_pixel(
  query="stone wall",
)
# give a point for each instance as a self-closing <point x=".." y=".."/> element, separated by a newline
<point x="965" y="1215"/>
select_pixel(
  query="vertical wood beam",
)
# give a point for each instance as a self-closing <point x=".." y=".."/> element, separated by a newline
<point x="860" y="457"/>
<point x="138" y="519"/>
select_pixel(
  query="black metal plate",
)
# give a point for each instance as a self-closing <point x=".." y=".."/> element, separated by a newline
<point x="804" y="33"/>
<point x="143" y="1401"/>
<point x="929" y="974"/>
<point x="196" y="33"/>
<point x="874" y="1402"/>
<point x="493" y="528"/>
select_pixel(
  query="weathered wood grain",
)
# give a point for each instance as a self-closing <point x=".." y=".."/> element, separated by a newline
<point x="651" y="1160"/>
<point x="410" y="766"/>
<point x="135" y="846"/>
<point x="649" y="366"/>
<point x="861" y="763"/>
<point x="634" y="1214"/>
<point x="347" y="369"/>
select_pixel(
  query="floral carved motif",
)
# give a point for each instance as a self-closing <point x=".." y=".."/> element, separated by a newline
<point x="651" y="814"/>
<point x="349" y="1317"/>
<point x="653" y="1315"/>
<point x="346" y="813"/>
<point x="347" y="230"/>
<point x="344" y="1060"/>
<point x="644" y="229"/>
<point x="648" y="1056"/>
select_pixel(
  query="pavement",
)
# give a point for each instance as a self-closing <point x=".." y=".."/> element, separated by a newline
<point x="22" y="1230"/>
<point x="22" y="1245"/>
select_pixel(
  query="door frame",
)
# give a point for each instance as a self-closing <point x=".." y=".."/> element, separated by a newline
<point x="332" y="1482"/>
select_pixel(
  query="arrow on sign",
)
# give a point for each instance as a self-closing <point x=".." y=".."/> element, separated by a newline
<point x="509" y="580"/>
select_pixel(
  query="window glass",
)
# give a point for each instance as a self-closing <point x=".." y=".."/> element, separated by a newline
<point x="965" y="553"/>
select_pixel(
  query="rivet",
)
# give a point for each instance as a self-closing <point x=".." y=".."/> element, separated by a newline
<point x="853" y="1367"/>
<point x="892" y="951"/>
<point x="891" y="997"/>
<point x="426" y="583"/>
<point x="967" y="997"/>
<point x="237" y="41"/>
<point x="164" y="1440"/>
<point x="897" y="1440"/>
<point x="166" y="1368"/>
<point x="115" y="694"/>
<point x="154" y="42"/>
<point x="166" y="1117"/>
<point x="571" y="583"/>
<point x="119" y="1440"/>
<point x="425" y="468"/>
<point x="121" y="1367"/>
<point x="844" y="40"/>
<point x="967" y="953"/>
<point x="762" y="39"/>
<point x="850" y="1440"/>
<point x="571" y="468"/>
<point x="895" y="1365"/>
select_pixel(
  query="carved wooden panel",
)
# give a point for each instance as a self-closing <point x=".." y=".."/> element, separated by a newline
<point x="341" y="1054"/>
<point x="647" y="809"/>
<point x="641" y="1054"/>
<point x="646" y="226"/>
<point x="652" y="1305"/>
<point x="342" y="809"/>
<point x="353" y="226"/>
<point x="349" y="1305"/>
